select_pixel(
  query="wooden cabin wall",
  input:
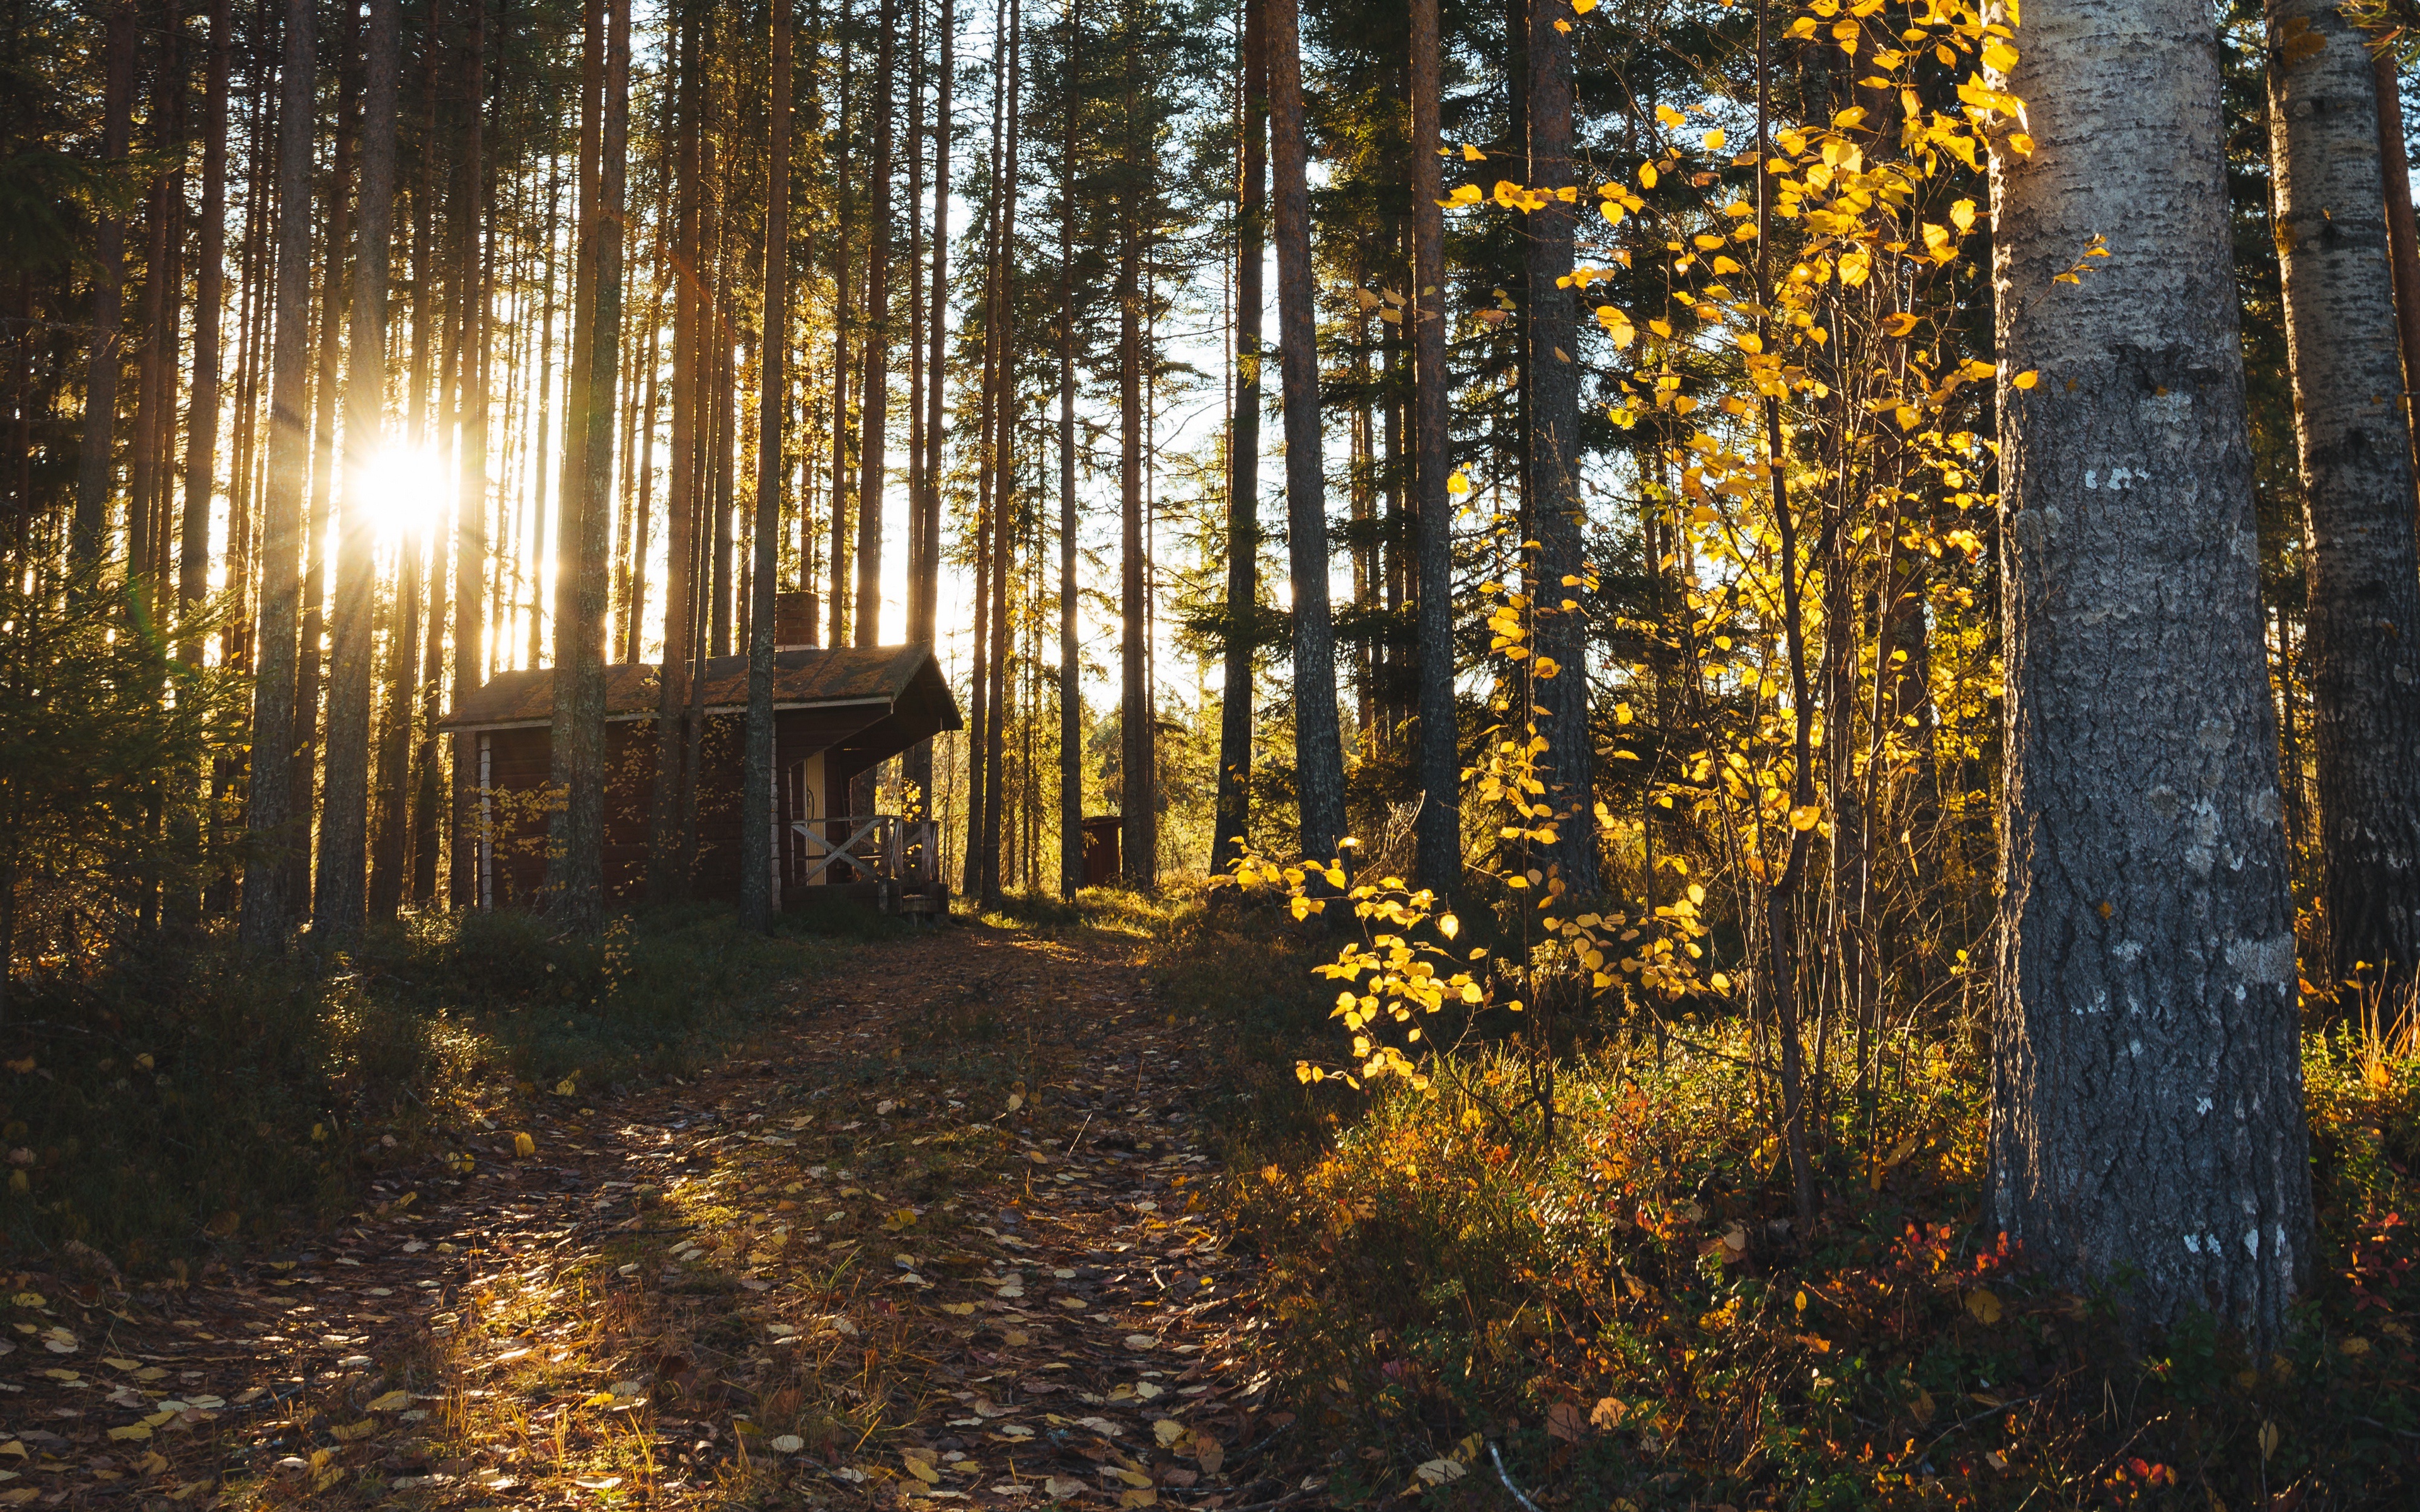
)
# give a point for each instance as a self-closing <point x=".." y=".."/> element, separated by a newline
<point x="518" y="767"/>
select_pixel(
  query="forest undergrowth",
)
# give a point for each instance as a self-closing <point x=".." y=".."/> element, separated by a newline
<point x="190" y="1097"/>
<point x="1625" y="1310"/>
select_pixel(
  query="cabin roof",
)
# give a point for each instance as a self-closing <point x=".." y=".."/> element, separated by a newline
<point x="811" y="677"/>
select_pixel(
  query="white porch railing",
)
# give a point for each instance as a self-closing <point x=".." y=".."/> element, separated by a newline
<point x="862" y="848"/>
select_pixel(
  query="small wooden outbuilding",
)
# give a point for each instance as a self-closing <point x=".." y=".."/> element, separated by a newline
<point x="837" y="713"/>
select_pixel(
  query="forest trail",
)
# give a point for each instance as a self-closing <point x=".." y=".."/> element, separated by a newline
<point x="935" y="1236"/>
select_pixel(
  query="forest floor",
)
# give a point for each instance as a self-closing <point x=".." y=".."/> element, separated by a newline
<point x="935" y="1236"/>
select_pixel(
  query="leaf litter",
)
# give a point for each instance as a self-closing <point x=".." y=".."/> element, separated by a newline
<point x="938" y="1244"/>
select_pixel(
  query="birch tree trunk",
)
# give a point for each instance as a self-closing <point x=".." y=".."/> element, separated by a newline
<point x="2146" y="1129"/>
<point x="2364" y="576"/>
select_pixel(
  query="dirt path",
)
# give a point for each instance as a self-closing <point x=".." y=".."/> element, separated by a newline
<point x="934" y="1238"/>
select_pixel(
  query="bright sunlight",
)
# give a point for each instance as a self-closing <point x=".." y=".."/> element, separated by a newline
<point x="405" y="489"/>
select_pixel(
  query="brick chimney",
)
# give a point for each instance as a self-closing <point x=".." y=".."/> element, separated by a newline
<point x="794" y="621"/>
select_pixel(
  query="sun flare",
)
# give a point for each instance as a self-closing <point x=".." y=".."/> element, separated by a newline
<point x="404" y="490"/>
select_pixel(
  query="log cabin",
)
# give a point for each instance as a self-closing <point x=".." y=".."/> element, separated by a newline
<point x="837" y="713"/>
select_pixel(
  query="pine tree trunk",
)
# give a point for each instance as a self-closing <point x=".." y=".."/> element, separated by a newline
<point x="2402" y="225"/>
<point x="874" y="395"/>
<point x="147" y="502"/>
<point x="2357" y="487"/>
<point x="1558" y="521"/>
<point x="759" y="862"/>
<point x="578" y="331"/>
<point x="643" y="510"/>
<point x="427" y="795"/>
<point x="209" y="300"/>
<point x="913" y="603"/>
<point x="836" y="559"/>
<point x="666" y="881"/>
<point x="2148" y="1127"/>
<point x="1438" y="826"/>
<point x="96" y="459"/>
<point x="575" y="882"/>
<point x="1232" y="809"/>
<point x="1002" y="460"/>
<point x="391" y="817"/>
<point x="470" y="498"/>
<point x="335" y="306"/>
<point x="1319" y="755"/>
<point x="988" y="536"/>
<point x="345" y="812"/>
<point x="1071" y="672"/>
<point x="924" y="572"/>
<point x="724" y="455"/>
<point x="268" y="905"/>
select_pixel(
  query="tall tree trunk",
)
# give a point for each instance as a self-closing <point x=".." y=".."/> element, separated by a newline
<point x="836" y="561"/>
<point x="268" y="905"/>
<point x="2148" y="1127"/>
<point x="96" y="464"/>
<point x="988" y="536"/>
<point x="344" y="822"/>
<point x="909" y="771"/>
<point x="578" y="329"/>
<point x="1071" y="670"/>
<point x="1138" y="838"/>
<point x="576" y="863"/>
<point x="1319" y="754"/>
<point x="470" y="498"/>
<point x="634" y="611"/>
<point x="1558" y="521"/>
<point x="147" y="496"/>
<point x="2363" y="656"/>
<point x="542" y="470"/>
<point x="1439" y="825"/>
<point x="209" y="300"/>
<point x="425" y="326"/>
<point x="715" y="402"/>
<point x="759" y="878"/>
<point x="391" y="807"/>
<point x="723" y="455"/>
<point x="429" y="334"/>
<point x="428" y="793"/>
<point x="2402" y="224"/>
<point x="1231" y="817"/>
<point x="202" y="418"/>
<point x="335" y="292"/>
<point x="1002" y="462"/>
<point x="875" y="396"/>
<point x="666" y="881"/>
<point x="924" y="572"/>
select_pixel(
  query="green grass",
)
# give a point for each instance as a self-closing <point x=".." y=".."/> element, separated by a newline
<point x="193" y="1097"/>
